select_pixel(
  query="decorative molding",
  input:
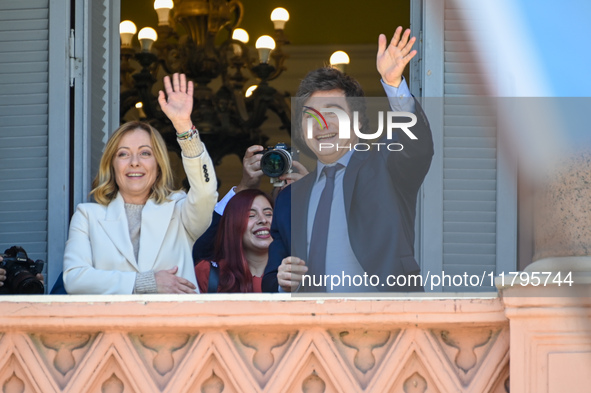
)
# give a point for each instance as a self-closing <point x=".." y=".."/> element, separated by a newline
<point x="127" y="313"/>
<point x="12" y="377"/>
<point x="363" y="350"/>
<point x="467" y="351"/>
<point x="213" y="384"/>
<point x="364" y="342"/>
<point x="112" y="385"/>
<point x="252" y="344"/>
<point x="112" y="378"/>
<point x="313" y="384"/>
<point x="415" y="378"/>
<point x="214" y="377"/>
<point x="313" y="377"/>
<point x="502" y="383"/>
<point x="62" y="352"/>
<point x="19" y="362"/>
<point x="415" y="384"/>
<point x="162" y="354"/>
<point x="262" y="350"/>
<point x="263" y="345"/>
<point x="64" y="345"/>
<point x="312" y="352"/>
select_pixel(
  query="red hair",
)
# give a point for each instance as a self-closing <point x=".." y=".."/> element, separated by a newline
<point x="235" y="274"/>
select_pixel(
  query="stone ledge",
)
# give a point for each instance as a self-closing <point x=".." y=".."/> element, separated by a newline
<point x="157" y="311"/>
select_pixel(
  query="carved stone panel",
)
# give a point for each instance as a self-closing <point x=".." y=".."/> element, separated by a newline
<point x="502" y="383"/>
<point x="14" y="376"/>
<point x="162" y="354"/>
<point x="313" y="363"/>
<point x="466" y="348"/>
<point x="113" y="377"/>
<point x="414" y="377"/>
<point x="312" y="376"/>
<point x="415" y="384"/>
<point x="363" y="350"/>
<point x="213" y="384"/>
<point x="262" y="350"/>
<point x="214" y="376"/>
<point x="343" y="347"/>
<point x="112" y="385"/>
<point x="313" y="384"/>
<point x="62" y="353"/>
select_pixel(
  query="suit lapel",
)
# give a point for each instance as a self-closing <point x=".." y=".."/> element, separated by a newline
<point x="350" y="178"/>
<point x="155" y="222"/>
<point x="300" y="201"/>
<point x="117" y="229"/>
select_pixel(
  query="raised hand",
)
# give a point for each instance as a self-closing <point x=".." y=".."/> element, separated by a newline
<point x="392" y="60"/>
<point x="177" y="104"/>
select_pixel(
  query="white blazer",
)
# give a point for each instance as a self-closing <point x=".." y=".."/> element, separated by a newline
<point x="99" y="257"/>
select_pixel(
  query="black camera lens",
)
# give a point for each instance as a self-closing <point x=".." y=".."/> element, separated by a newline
<point x="275" y="163"/>
<point x="23" y="282"/>
<point x="21" y="273"/>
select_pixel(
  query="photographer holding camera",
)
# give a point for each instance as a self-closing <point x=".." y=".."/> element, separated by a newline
<point x="21" y="280"/>
<point x="252" y="172"/>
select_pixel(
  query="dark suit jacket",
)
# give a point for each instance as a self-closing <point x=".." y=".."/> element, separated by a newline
<point x="203" y="248"/>
<point x="380" y="191"/>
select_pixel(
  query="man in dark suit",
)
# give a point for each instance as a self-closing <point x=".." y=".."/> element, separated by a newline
<point x="352" y="219"/>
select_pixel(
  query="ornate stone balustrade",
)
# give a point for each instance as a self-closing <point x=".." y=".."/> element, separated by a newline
<point x="252" y="343"/>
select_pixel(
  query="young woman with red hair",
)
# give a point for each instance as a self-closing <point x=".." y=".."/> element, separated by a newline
<point x="241" y="246"/>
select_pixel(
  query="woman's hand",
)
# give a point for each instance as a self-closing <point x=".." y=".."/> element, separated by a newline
<point x="167" y="282"/>
<point x="177" y="104"/>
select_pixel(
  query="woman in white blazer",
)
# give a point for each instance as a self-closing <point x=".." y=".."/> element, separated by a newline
<point x="137" y="238"/>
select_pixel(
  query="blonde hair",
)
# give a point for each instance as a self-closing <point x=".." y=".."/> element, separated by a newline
<point x="104" y="186"/>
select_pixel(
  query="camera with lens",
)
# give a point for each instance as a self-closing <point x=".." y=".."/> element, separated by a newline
<point x="21" y="272"/>
<point x="276" y="161"/>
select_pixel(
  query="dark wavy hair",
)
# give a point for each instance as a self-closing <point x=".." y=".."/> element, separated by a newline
<point x="235" y="274"/>
<point x="325" y="79"/>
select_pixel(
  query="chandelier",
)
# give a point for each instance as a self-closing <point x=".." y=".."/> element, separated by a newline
<point x="212" y="52"/>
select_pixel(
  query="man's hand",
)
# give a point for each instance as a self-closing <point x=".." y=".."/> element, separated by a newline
<point x="167" y="282"/>
<point x="251" y="169"/>
<point x="289" y="178"/>
<point x="392" y="60"/>
<point x="289" y="273"/>
<point x="179" y="104"/>
<point x="300" y="171"/>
